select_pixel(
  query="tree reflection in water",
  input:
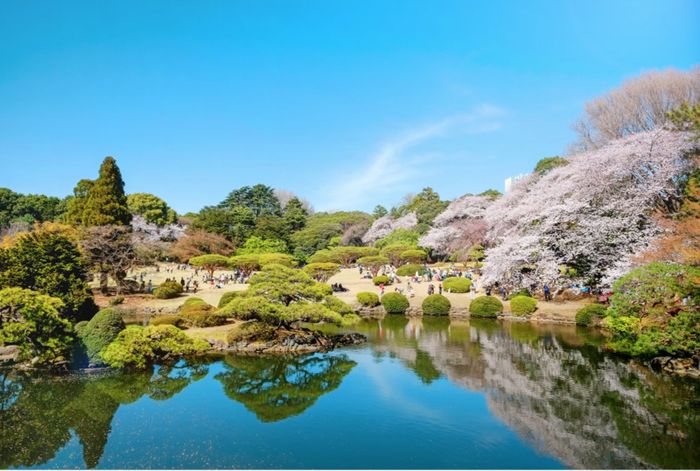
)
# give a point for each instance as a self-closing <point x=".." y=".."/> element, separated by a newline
<point x="557" y="389"/>
<point x="275" y="388"/>
<point x="37" y="414"/>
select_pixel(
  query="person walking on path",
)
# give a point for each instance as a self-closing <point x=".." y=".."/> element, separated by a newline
<point x="547" y="293"/>
<point x="440" y="288"/>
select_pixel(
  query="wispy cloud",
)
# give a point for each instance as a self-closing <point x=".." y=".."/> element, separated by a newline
<point x="397" y="162"/>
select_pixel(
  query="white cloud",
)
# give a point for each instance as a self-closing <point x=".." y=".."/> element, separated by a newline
<point x="395" y="164"/>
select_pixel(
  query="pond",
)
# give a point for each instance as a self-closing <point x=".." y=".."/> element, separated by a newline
<point x="424" y="393"/>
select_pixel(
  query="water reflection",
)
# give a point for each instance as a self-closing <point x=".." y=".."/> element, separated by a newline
<point x="274" y="388"/>
<point x="557" y="389"/>
<point x="37" y="414"/>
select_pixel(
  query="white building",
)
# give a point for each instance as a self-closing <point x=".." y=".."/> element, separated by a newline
<point x="511" y="180"/>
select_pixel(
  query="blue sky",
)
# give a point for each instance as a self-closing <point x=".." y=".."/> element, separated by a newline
<point x="347" y="103"/>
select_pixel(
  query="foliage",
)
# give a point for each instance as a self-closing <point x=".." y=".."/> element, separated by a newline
<point x="246" y="263"/>
<point x="368" y="299"/>
<point x="491" y="193"/>
<point x="276" y="258"/>
<point x="485" y="306"/>
<point x="426" y="205"/>
<point x="138" y="347"/>
<point x="50" y="263"/>
<point x="373" y="263"/>
<point x="228" y="296"/>
<point x="337" y="305"/>
<point x="256" y="245"/>
<point x="245" y="308"/>
<point x="295" y="214"/>
<point x="400" y="236"/>
<point x="235" y="224"/>
<point x="251" y="331"/>
<point x="413" y="256"/>
<point x="379" y="211"/>
<point x="321" y="256"/>
<point x="549" y="163"/>
<point x="639" y="105"/>
<point x="152" y="208"/>
<point x="394" y="253"/>
<point x="33" y="322"/>
<point x="436" y="305"/>
<point x="168" y="290"/>
<point x="687" y="118"/>
<point x="655" y="309"/>
<point x="455" y="284"/>
<point x="259" y="199"/>
<point x="347" y="255"/>
<point x="16" y="206"/>
<point x="210" y="262"/>
<point x="395" y="303"/>
<point x="523" y="305"/>
<point x="589" y="313"/>
<point x="166" y="319"/>
<point x="268" y="227"/>
<point x="594" y="214"/>
<point x="285" y="285"/>
<point x="409" y="269"/>
<point x="381" y="280"/>
<point x="100" y="331"/>
<point x="199" y="242"/>
<point x="101" y="202"/>
<point x="322" y="271"/>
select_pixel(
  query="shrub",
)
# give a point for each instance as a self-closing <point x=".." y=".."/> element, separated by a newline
<point x="655" y="309"/>
<point x="395" y="303"/>
<point x="100" y="331"/>
<point x="168" y="290"/>
<point x="200" y="319"/>
<point x="409" y="269"/>
<point x="245" y="308"/>
<point x="166" y="319"/>
<point x="337" y="305"/>
<point x="279" y="258"/>
<point x="455" y="284"/>
<point x="33" y="322"/>
<point x="138" y="347"/>
<point x="381" y="279"/>
<point x="117" y="300"/>
<point x="587" y="314"/>
<point x="193" y="301"/>
<point x="227" y="297"/>
<point x="520" y="292"/>
<point x="413" y="256"/>
<point x="252" y="331"/>
<point x="368" y="299"/>
<point x="436" y="305"/>
<point x="523" y="305"/>
<point x="321" y="271"/>
<point x="485" y="306"/>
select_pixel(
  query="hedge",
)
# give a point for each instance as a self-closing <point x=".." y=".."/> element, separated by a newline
<point x="368" y="299"/>
<point x="436" y="305"/>
<point x="523" y="305"/>
<point x="395" y="303"/>
<point x="456" y="285"/>
<point x="485" y="306"/>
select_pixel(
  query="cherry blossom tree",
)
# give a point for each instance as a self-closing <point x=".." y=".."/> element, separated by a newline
<point x="385" y="225"/>
<point x="585" y="222"/>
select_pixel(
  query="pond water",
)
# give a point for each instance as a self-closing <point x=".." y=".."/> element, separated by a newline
<point x="424" y="393"/>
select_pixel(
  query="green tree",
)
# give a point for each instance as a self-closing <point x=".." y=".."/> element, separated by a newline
<point x="33" y="321"/>
<point x="49" y="262"/>
<point x="549" y="163"/>
<point x="100" y="331"/>
<point x="152" y="208"/>
<point x="427" y="205"/>
<point x="295" y="215"/>
<point x="76" y="204"/>
<point x="210" y="262"/>
<point x="373" y="263"/>
<point x="379" y="211"/>
<point x="394" y="252"/>
<point x="106" y="202"/>
<point x="321" y="271"/>
<point x="399" y="236"/>
<point x="271" y="227"/>
<point x="236" y="224"/>
<point x="491" y="193"/>
<point x="257" y="245"/>
<point x="30" y="208"/>
<point x="687" y="118"/>
<point x="260" y="199"/>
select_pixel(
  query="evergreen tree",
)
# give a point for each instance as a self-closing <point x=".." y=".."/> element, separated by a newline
<point x="106" y="202"/>
<point x="295" y="214"/>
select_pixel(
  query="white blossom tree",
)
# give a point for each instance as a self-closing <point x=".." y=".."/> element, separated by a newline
<point x="385" y="225"/>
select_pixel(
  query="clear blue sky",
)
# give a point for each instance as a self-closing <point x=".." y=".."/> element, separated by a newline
<point x="347" y="103"/>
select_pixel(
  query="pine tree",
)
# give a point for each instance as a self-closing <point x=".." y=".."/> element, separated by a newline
<point x="295" y="214"/>
<point x="106" y="203"/>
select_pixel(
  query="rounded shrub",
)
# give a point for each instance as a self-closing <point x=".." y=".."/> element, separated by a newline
<point x="193" y="301"/>
<point x="409" y="269"/>
<point x="227" y="297"/>
<point x="100" y="331"/>
<point x="485" y="306"/>
<point x="436" y="305"/>
<point x="523" y="305"/>
<point x="381" y="279"/>
<point x="589" y="313"/>
<point x="251" y="331"/>
<point x="200" y="319"/>
<point x="455" y="284"/>
<point x="395" y="303"/>
<point x="368" y="299"/>
<point x="337" y="305"/>
<point x="168" y="290"/>
<point x="165" y="319"/>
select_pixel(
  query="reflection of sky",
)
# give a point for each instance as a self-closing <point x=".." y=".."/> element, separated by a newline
<point x="381" y="416"/>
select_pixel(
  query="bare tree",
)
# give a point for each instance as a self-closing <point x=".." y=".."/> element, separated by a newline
<point x="110" y="251"/>
<point x="639" y="104"/>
